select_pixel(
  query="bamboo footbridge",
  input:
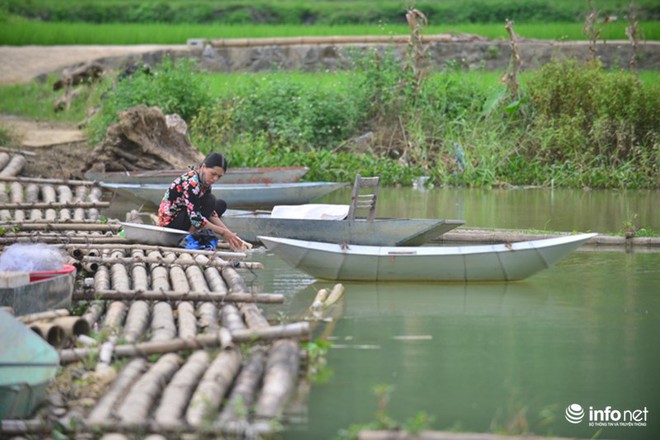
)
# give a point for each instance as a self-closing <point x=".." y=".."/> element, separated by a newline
<point x="168" y="341"/>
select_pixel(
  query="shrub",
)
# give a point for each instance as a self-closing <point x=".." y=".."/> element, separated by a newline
<point x="286" y="111"/>
<point x="174" y="87"/>
<point x="580" y="109"/>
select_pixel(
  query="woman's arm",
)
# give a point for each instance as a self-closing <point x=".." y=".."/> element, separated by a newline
<point x="216" y="225"/>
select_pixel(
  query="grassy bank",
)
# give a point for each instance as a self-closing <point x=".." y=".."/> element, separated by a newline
<point x="320" y="12"/>
<point x="23" y="32"/>
<point x="571" y="124"/>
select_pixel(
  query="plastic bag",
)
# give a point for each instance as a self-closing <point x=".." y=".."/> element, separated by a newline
<point x="204" y="239"/>
<point x="31" y="257"/>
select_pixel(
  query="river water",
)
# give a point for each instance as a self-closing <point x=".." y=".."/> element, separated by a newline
<point x="494" y="357"/>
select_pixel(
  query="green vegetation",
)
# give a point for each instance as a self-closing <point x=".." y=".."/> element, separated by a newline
<point x="5" y="136"/>
<point x="572" y="124"/>
<point x="384" y="421"/>
<point x="327" y="12"/>
<point x="35" y="100"/>
<point x="170" y="88"/>
<point x="23" y="32"/>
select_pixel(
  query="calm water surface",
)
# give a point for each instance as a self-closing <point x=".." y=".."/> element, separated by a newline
<point x="490" y="357"/>
<point x="498" y="357"/>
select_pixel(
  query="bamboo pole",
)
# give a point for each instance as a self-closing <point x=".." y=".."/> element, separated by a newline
<point x="243" y="393"/>
<point x="178" y="279"/>
<point x="119" y="274"/>
<point x="49" y="197"/>
<point x="60" y="239"/>
<point x="193" y="272"/>
<point x="170" y="295"/>
<point x="215" y="281"/>
<point x="47" y="181"/>
<point x="336" y="293"/>
<point x="78" y="212"/>
<point x="135" y="408"/>
<point x="162" y="323"/>
<point x="16" y="192"/>
<point x="4" y="159"/>
<point x="294" y="330"/>
<point x="72" y="325"/>
<point x="16" y="196"/>
<point x="14" y="167"/>
<point x="234" y="280"/>
<point x="137" y="321"/>
<point x="31" y="193"/>
<point x="93" y="312"/>
<point x="253" y="316"/>
<point x="163" y="249"/>
<point x="31" y="196"/>
<point x="40" y="316"/>
<point x="50" y="332"/>
<point x="231" y="318"/>
<point x="159" y="275"/>
<point x="4" y="198"/>
<point x="208" y="317"/>
<point x="213" y="387"/>
<point x="280" y="378"/>
<point x="94" y="196"/>
<point x="31" y="426"/>
<point x="18" y="150"/>
<point x="171" y="410"/>
<point x="102" y="413"/>
<point x="139" y="274"/>
<point x="53" y="205"/>
<point x="329" y="40"/>
<point x="50" y="226"/>
<point x="114" y="436"/>
<point x="187" y="323"/>
<point x="114" y="317"/>
<point x="101" y="280"/>
<point x="64" y="195"/>
<point x="62" y="222"/>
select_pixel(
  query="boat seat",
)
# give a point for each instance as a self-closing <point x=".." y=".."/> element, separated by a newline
<point x="361" y="200"/>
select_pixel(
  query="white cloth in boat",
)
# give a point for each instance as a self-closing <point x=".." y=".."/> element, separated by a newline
<point x="311" y="211"/>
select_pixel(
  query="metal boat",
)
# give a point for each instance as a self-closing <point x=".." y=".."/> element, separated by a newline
<point x="27" y="366"/>
<point x="232" y="176"/>
<point x="239" y="196"/>
<point x="499" y="262"/>
<point x="381" y="231"/>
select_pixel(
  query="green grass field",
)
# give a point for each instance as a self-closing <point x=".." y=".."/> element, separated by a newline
<point x="23" y="32"/>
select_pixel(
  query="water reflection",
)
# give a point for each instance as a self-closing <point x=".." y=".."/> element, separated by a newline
<point x="543" y="209"/>
<point x="496" y="356"/>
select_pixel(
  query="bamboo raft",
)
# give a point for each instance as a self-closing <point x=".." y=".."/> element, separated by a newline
<point x="29" y="204"/>
<point x="172" y="340"/>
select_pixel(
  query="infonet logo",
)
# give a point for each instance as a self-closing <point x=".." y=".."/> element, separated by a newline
<point x="574" y="413"/>
<point x="607" y="417"/>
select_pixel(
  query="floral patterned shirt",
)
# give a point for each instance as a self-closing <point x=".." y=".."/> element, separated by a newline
<point x="184" y="194"/>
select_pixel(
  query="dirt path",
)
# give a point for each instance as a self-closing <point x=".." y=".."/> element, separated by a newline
<point x="21" y="64"/>
<point x="54" y="149"/>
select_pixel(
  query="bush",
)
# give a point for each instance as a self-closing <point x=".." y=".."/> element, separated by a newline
<point x="174" y="87"/>
<point x="286" y="111"/>
<point x="580" y="109"/>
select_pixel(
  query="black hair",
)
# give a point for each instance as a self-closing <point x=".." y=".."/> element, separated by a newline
<point x="215" y="160"/>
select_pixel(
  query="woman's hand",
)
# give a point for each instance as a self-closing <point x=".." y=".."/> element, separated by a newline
<point x="235" y="242"/>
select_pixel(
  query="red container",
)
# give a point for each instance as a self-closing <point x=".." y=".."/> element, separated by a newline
<point x="45" y="274"/>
